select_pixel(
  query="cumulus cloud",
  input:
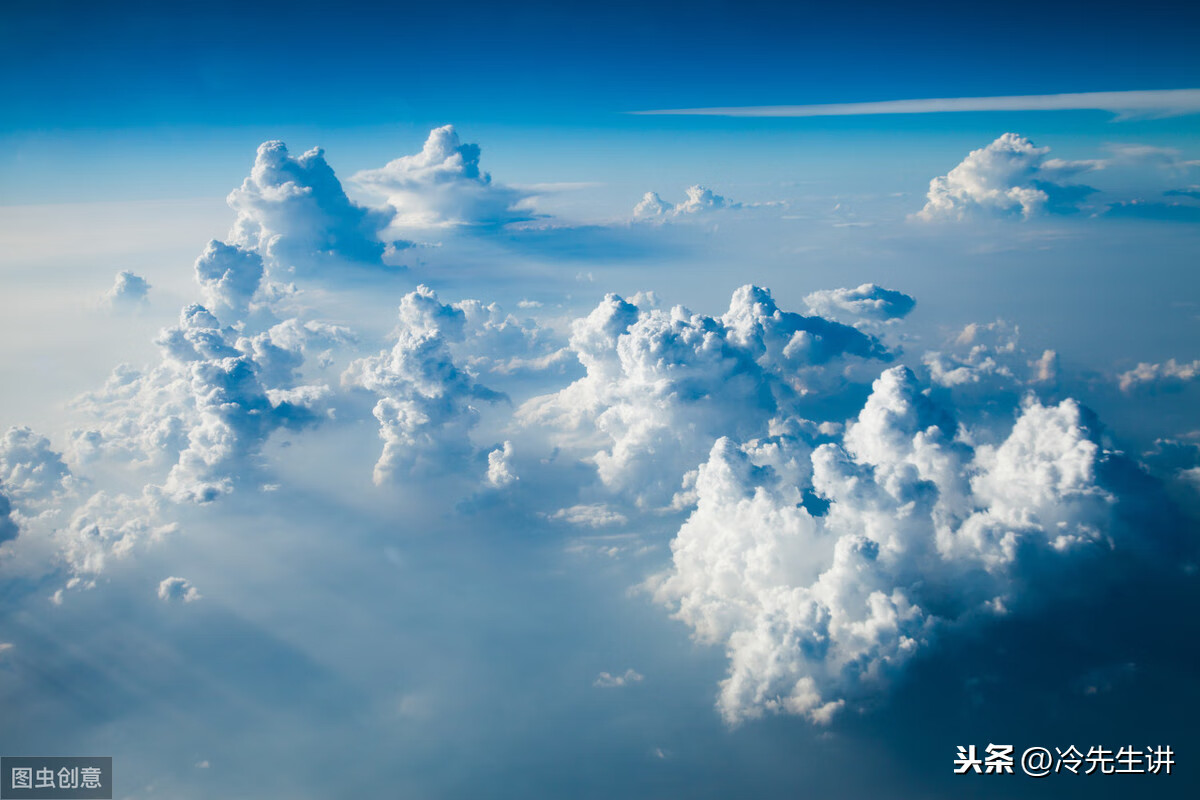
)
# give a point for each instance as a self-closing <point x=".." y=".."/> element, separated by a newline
<point x="206" y="408"/>
<point x="1170" y="374"/>
<point x="229" y="277"/>
<point x="699" y="200"/>
<point x="35" y="486"/>
<point x="443" y="185"/>
<point x="294" y="212"/>
<point x="31" y="471"/>
<point x="865" y="302"/>
<point x="820" y="605"/>
<point x="986" y="362"/>
<point x="426" y="405"/>
<point x="497" y="342"/>
<point x="500" y="473"/>
<point x="1010" y="176"/>
<point x="178" y="590"/>
<point x="651" y="206"/>
<point x="607" y="681"/>
<point x="105" y="526"/>
<point x="128" y="290"/>
<point x="662" y="385"/>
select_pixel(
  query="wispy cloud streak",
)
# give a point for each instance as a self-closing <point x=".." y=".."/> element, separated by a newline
<point x="1159" y="103"/>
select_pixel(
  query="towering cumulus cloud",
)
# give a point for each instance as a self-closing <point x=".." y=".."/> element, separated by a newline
<point x="819" y="604"/>
<point x="443" y="186"/>
<point x="223" y="384"/>
<point x="206" y="407"/>
<point x="1010" y="177"/>
<point x="294" y="212"/>
<point x="662" y="385"/>
<point x="426" y="401"/>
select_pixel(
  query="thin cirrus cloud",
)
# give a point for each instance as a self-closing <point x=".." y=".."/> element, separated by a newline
<point x="1156" y="103"/>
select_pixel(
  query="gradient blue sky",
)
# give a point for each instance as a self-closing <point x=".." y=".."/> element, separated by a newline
<point x="89" y="90"/>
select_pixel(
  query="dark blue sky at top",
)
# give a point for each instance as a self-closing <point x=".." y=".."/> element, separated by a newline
<point x="71" y="65"/>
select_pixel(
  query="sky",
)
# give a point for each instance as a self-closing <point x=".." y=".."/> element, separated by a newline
<point x="638" y="400"/>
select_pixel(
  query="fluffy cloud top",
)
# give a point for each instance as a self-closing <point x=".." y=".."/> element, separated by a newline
<point x="127" y="290"/>
<point x="294" y="211"/>
<point x="218" y="391"/>
<point x="175" y="589"/>
<point x="30" y="470"/>
<point x="229" y="277"/>
<point x="987" y="361"/>
<point x="662" y="385"/>
<point x="426" y="400"/>
<point x="500" y="472"/>
<point x="865" y="302"/>
<point x="443" y="186"/>
<point x="819" y="608"/>
<point x="699" y="200"/>
<point x="1009" y="176"/>
<point x="208" y="406"/>
<point x="1170" y="374"/>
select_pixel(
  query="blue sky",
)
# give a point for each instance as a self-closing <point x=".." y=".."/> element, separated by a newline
<point x="515" y="445"/>
<point x="129" y="64"/>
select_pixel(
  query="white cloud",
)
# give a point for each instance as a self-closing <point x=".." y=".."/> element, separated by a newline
<point x="1158" y="103"/>
<point x="444" y="186"/>
<point x="206" y="408"/>
<point x="651" y="206"/>
<point x="866" y="302"/>
<point x="1009" y="176"/>
<point x="229" y="277"/>
<point x="108" y="525"/>
<point x="593" y="515"/>
<point x="499" y="473"/>
<point x="426" y="401"/>
<point x="30" y="470"/>
<point x="1167" y="374"/>
<point x="699" y="201"/>
<point x="988" y="360"/>
<point x="497" y="342"/>
<point x="607" y="681"/>
<point x="128" y="290"/>
<point x="662" y="385"/>
<point x="175" y="589"/>
<point x="294" y="212"/>
<point x="819" y="610"/>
